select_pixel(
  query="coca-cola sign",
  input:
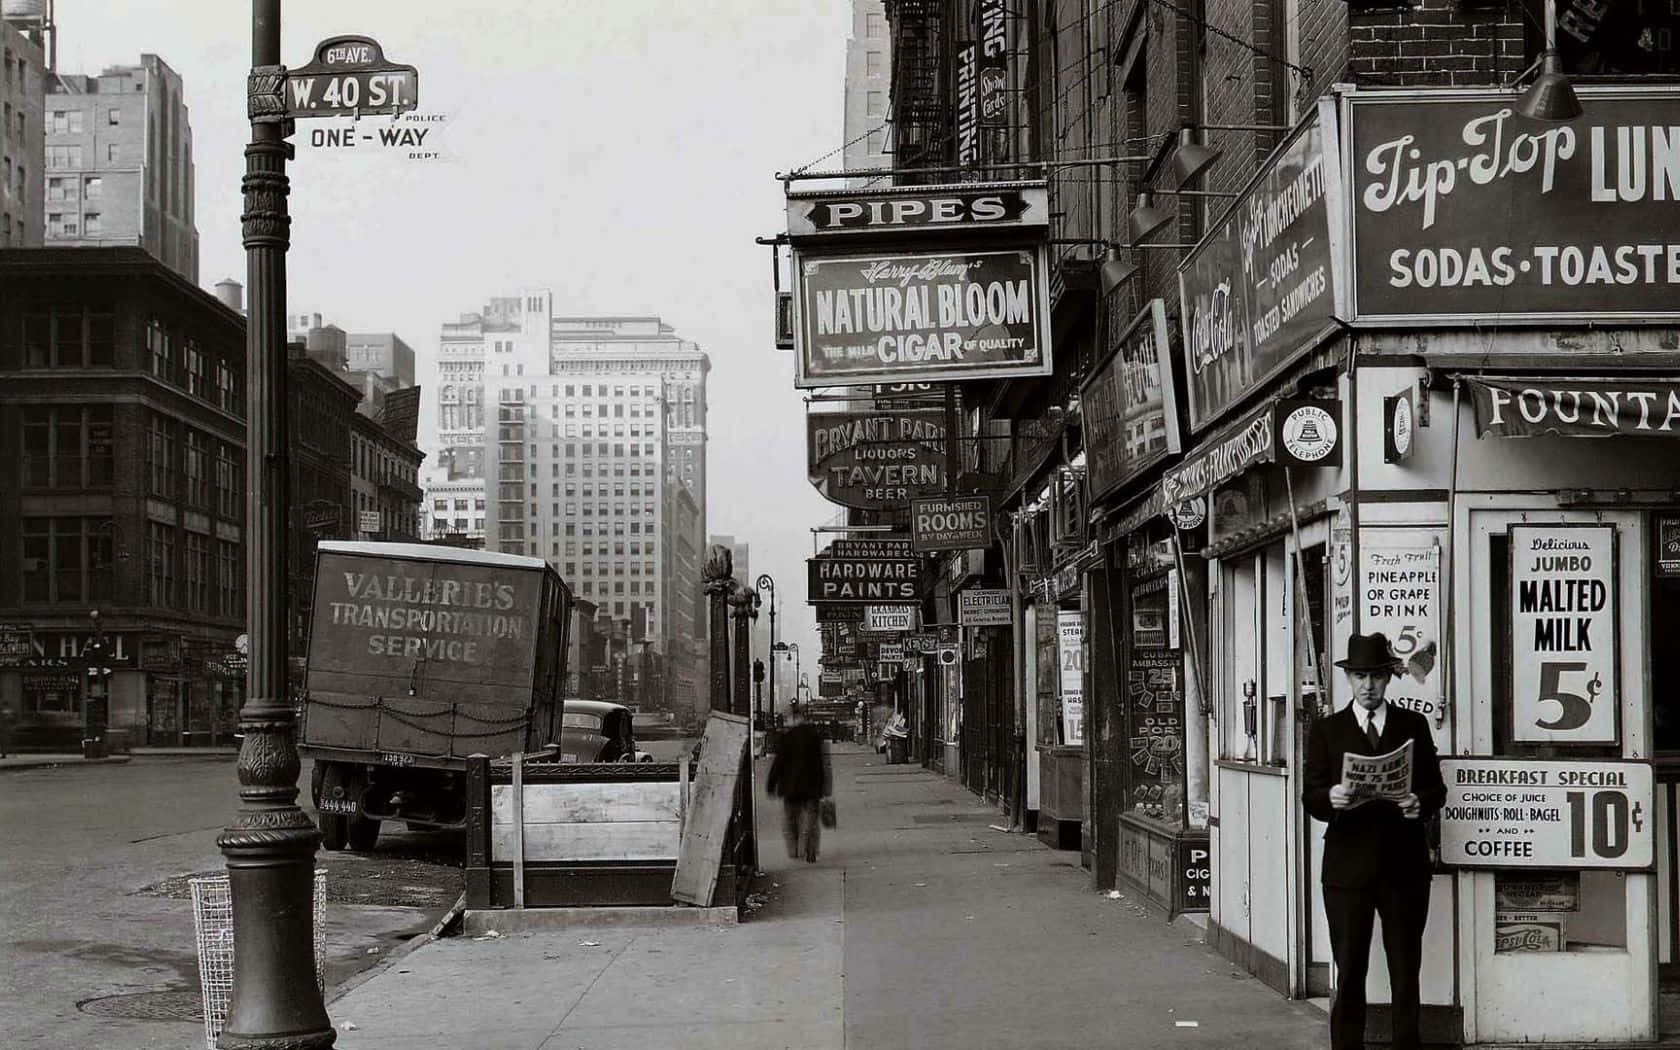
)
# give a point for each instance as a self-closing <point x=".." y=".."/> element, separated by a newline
<point x="1463" y="211"/>
<point x="1264" y="285"/>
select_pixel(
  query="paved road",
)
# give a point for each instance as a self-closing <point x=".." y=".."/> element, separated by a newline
<point x="82" y="845"/>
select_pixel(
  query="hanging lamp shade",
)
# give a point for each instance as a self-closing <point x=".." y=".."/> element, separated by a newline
<point x="1551" y="97"/>
<point x="1146" y="218"/>
<point x="1115" y="271"/>
<point x="1190" y="158"/>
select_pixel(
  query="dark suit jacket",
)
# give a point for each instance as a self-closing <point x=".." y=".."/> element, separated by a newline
<point x="800" y="771"/>
<point x="1373" y="841"/>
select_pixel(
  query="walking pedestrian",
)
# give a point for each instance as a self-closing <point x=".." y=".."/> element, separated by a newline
<point x="801" y="776"/>
<point x="1376" y="851"/>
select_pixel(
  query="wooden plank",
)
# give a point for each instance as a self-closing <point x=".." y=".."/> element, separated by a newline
<point x="518" y="821"/>
<point x="705" y="835"/>
<point x="478" y="832"/>
<point x="682" y="791"/>
<point x="635" y="840"/>
<point x="587" y="803"/>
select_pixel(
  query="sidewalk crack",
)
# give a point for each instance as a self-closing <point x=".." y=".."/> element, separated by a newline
<point x="591" y="987"/>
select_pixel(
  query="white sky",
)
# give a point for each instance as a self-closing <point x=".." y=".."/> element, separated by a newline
<point x="620" y="153"/>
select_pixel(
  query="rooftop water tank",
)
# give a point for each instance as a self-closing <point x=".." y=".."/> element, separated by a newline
<point x="32" y="12"/>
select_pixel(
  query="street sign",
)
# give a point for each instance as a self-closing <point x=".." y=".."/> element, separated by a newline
<point x="368" y="520"/>
<point x="350" y="76"/>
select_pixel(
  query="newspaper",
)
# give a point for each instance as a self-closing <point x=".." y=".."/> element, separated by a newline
<point x="1379" y="776"/>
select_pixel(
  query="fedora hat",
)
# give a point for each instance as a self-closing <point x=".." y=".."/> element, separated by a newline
<point x="1369" y="652"/>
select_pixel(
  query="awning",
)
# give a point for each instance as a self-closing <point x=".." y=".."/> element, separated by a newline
<point x="1528" y="406"/>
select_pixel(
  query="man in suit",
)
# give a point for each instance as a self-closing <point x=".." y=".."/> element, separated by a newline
<point x="1376" y="852"/>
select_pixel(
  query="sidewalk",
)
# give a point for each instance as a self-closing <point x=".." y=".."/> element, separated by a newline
<point x="32" y="760"/>
<point x="921" y="926"/>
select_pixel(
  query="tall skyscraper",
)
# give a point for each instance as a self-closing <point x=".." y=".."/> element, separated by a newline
<point x="23" y="74"/>
<point x="119" y="165"/>
<point x="588" y="435"/>
<point x="868" y="76"/>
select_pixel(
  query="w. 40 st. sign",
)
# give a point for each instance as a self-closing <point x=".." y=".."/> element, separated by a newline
<point x="349" y="76"/>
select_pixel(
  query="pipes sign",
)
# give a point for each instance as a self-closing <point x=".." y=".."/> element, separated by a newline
<point x="349" y="76"/>
<point x="1563" y="634"/>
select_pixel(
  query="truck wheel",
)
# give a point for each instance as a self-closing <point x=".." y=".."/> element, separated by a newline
<point x="334" y="830"/>
<point x="362" y="834"/>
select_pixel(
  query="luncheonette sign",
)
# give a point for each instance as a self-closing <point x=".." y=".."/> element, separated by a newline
<point x="1463" y="211"/>
<point x="1539" y="405"/>
<point x="875" y="460"/>
<point x="921" y="316"/>
<point x="1536" y="813"/>
<point x="1264" y="285"/>
<point x="1128" y="408"/>
<point x="1563" y="634"/>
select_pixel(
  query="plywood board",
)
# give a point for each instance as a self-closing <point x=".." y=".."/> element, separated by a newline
<point x="588" y="803"/>
<point x="634" y="840"/>
<point x="711" y="802"/>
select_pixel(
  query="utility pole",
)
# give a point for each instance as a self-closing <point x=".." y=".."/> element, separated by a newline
<point x="766" y="583"/>
<point x="270" y="846"/>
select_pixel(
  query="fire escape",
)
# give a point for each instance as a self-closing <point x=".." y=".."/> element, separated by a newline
<point x="921" y="118"/>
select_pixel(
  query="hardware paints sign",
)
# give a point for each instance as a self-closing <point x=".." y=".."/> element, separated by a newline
<point x="1463" y="210"/>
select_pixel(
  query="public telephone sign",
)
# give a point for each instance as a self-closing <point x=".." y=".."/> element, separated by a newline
<point x="1534" y="813"/>
<point x="350" y="76"/>
<point x="1563" y="634"/>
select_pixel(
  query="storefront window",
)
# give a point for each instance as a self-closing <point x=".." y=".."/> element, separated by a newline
<point x="1049" y="711"/>
<point x="1154" y="707"/>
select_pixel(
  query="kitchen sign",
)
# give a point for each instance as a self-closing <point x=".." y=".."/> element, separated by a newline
<point x="1563" y="634"/>
<point x="1264" y="285"/>
<point x="1539" y="813"/>
<point x="1128" y="408"/>
<point x="889" y="618"/>
<point x="951" y="523"/>
<point x="1465" y="212"/>
<point x="875" y="460"/>
<point x="983" y="607"/>
<point x="866" y="581"/>
<point x="936" y="315"/>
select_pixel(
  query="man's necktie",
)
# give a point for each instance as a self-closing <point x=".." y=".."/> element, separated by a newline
<point x="1371" y="734"/>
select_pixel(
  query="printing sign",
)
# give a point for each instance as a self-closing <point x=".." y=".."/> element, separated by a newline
<point x="921" y="316"/>
<point x="1464" y="212"/>
<point x="1537" y="813"/>
<point x="875" y="460"/>
<point x="1264" y="285"/>
<point x="1563" y="634"/>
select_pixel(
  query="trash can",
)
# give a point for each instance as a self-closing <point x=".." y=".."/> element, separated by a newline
<point x="898" y="748"/>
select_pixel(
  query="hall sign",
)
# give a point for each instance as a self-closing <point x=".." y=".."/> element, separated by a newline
<point x="1464" y="212"/>
<point x="1264" y="286"/>
<point x="865" y="581"/>
<point x="1556" y="814"/>
<point x="951" y="523"/>
<point x="63" y="649"/>
<point x="1575" y="407"/>
<point x="1128" y="408"/>
<point x="875" y="460"/>
<point x="937" y="315"/>
<point x="1563" y="634"/>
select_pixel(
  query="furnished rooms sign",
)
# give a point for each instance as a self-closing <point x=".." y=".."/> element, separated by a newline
<point x="937" y="315"/>
<point x="1536" y="813"/>
<point x="1263" y="286"/>
<point x="875" y="460"/>
<point x="1463" y="211"/>
<point x="1563" y="634"/>
<point x="1128" y="409"/>
<point x="951" y="523"/>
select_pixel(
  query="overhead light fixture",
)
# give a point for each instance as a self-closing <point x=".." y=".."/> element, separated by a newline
<point x="1146" y="218"/>
<point x="1190" y="158"/>
<point x="1551" y="97"/>
<point x="1115" y="271"/>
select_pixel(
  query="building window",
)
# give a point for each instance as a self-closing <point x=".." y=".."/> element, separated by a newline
<point x="67" y="559"/>
<point x="874" y="64"/>
<point x="230" y="581"/>
<point x="230" y="486"/>
<point x="111" y="153"/>
<point x="160" y="345"/>
<point x="160" y="457"/>
<point x="58" y="189"/>
<point x="875" y="103"/>
<point x="160" y="551"/>
<point x="197" y="566"/>
<point x="64" y="157"/>
<point x="92" y="225"/>
<point x="113" y="116"/>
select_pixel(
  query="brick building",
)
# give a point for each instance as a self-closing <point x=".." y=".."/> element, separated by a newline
<point x="23" y="75"/>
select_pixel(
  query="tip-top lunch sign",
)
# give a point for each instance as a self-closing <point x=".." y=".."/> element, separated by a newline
<point x="1464" y="211"/>
<point x="875" y="460"/>
<point x="1264" y="286"/>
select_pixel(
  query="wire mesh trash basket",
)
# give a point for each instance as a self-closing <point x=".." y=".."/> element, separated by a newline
<point x="213" y="921"/>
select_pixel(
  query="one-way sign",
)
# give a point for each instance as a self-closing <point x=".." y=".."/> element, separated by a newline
<point x="350" y="75"/>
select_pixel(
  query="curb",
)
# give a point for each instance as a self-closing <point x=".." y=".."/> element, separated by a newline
<point x="22" y="762"/>
<point x="537" y="920"/>
<point x="402" y="951"/>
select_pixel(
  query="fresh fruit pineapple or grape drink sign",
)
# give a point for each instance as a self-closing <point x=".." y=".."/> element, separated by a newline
<point x="1400" y="596"/>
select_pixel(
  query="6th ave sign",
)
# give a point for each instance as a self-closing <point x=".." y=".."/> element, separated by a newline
<point x="349" y="76"/>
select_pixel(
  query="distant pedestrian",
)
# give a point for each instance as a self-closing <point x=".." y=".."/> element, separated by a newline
<point x="801" y="776"/>
<point x="1376" y="851"/>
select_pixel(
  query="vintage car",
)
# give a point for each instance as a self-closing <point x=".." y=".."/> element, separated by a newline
<point x="598" y="731"/>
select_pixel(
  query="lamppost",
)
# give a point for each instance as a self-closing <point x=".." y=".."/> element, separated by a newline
<point x="96" y="708"/>
<point x="791" y="647"/>
<point x="270" y="845"/>
<point x="762" y="584"/>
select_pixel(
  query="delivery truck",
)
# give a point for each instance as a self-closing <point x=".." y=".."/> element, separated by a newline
<point x="420" y="656"/>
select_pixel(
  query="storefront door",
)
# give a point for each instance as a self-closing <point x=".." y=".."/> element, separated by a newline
<point x="1585" y="968"/>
